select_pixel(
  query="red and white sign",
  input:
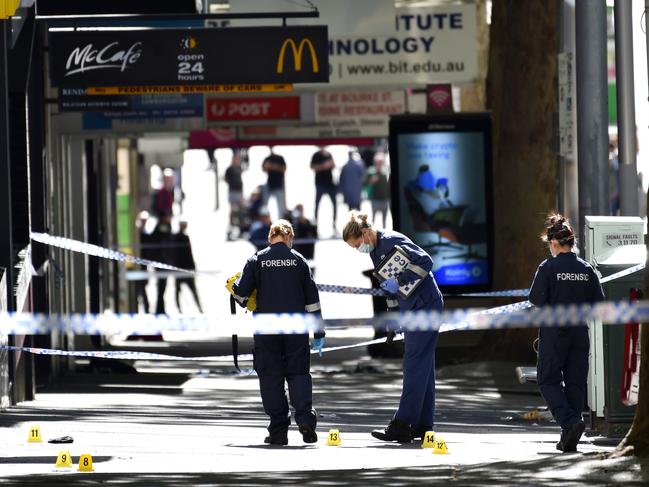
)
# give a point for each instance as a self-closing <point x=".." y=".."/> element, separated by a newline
<point x="375" y="104"/>
<point x="253" y="108"/>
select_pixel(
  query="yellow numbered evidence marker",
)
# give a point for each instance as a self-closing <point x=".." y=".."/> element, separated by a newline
<point x="34" y="435"/>
<point x="429" y="440"/>
<point x="333" y="439"/>
<point x="440" y="447"/>
<point x="64" y="460"/>
<point x="85" y="463"/>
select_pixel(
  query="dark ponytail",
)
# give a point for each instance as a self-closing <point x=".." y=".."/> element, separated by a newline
<point x="558" y="228"/>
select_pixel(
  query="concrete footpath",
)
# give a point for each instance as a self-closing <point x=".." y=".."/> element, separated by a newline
<point x="202" y="424"/>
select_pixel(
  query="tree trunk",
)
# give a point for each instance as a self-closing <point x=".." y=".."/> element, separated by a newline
<point x="473" y="96"/>
<point x="522" y="95"/>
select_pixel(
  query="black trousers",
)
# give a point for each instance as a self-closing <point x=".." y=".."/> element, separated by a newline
<point x="280" y="360"/>
<point x="562" y="371"/>
<point x="191" y="284"/>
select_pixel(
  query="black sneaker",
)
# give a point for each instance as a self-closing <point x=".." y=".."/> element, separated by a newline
<point x="308" y="434"/>
<point x="396" y="431"/>
<point x="570" y="438"/>
<point x="280" y="439"/>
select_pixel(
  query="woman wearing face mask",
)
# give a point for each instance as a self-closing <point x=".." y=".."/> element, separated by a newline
<point x="417" y="404"/>
<point x="562" y="367"/>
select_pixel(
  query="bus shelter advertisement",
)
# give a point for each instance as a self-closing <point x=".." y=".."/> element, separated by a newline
<point x="441" y="177"/>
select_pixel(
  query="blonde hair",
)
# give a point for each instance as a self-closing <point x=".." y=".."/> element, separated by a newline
<point x="354" y="227"/>
<point x="281" y="228"/>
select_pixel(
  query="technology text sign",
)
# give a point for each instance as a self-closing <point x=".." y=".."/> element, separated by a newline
<point x="189" y="57"/>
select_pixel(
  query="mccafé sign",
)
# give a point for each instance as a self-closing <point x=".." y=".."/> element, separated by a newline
<point x="240" y="55"/>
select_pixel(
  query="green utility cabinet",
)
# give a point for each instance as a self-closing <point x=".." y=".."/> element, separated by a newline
<point x="610" y="416"/>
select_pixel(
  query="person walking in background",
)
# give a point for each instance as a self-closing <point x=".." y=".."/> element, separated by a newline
<point x="304" y="229"/>
<point x="163" y="199"/>
<point x="416" y="411"/>
<point x="162" y="241"/>
<point x="184" y="258"/>
<point x="235" y="195"/>
<point x="352" y="176"/>
<point x="322" y="164"/>
<point x="275" y="166"/>
<point x="562" y="368"/>
<point x="378" y="187"/>
<point x="145" y="253"/>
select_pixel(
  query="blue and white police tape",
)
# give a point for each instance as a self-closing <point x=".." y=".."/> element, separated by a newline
<point x="103" y="252"/>
<point x="137" y="355"/>
<point x="509" y="316"/>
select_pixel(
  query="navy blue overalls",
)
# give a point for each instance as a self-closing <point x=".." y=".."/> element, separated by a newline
<point x="284" y="285"/>
<point x="562" y="366"/>
<point x="417" y="403"/>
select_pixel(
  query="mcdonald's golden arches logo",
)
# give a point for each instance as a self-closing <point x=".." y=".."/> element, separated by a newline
<point x="297" y="49"/>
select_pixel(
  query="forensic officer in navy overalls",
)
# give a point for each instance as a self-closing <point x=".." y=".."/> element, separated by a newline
<point x="284" y="284"/>
<point x="562" y="367"/>
<point x="416" y="410"/>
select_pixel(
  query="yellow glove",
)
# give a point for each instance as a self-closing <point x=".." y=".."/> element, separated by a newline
<point x="251" y="305"/>
<point x="230" y="282"/>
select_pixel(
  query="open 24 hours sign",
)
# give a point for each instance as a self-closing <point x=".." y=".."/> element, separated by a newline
<point x="189" y="56"/>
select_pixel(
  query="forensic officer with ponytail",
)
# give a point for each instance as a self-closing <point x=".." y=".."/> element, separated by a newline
<point x="284" y="284"/>
<point x="562" y="366"/>
<point x="415" y="414"/>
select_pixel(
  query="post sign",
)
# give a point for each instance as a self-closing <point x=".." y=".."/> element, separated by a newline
<point x="253" y="108"/>
<point x="189" y="56"/>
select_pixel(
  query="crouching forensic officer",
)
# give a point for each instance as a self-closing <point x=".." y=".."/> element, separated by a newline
<point x="562" y="367"/>
<point x="416" y="410"/>
<point x="284" y="284"/>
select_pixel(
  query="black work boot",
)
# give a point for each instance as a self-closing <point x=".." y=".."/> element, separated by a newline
<point x="308" y="434"/>
<point x="570" y="437"/>
<point x="396" y="431"/>
<point x="277" y="439"/>
<point x="418" y="432"/>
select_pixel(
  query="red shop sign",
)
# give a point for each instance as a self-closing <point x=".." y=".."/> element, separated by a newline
<point x="253" y="108"/>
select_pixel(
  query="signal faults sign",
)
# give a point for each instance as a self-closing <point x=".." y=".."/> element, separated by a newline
<point x="184" y="89"/>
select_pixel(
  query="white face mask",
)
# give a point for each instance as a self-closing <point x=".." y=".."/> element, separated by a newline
<point x="365" y="248"/>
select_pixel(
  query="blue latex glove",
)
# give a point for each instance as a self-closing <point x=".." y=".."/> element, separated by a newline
<point x="318" y="343"/>
<point x="391" y="285"/>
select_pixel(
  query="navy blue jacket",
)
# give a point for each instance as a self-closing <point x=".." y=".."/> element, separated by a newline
<point x="565" y="279"/>
<point x="427" y="294"/>
<point x="282" y="279"/>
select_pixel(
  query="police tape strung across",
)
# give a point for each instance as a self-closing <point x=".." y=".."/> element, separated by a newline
<point x="132" y="355"/>
<point x="103" y="252"/>
<point x="515" y="315"/>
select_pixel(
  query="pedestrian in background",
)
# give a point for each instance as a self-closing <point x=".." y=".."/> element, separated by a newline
<point x="562" y="367"/>
<point x="378" y="187"/>
<point x="275" y="166"/>
<point x="234" y="180"/>
<point x="304" y="230"/>
<point x="284" y="284"/>
<point x="322" y="163"/>
<point x="145" y="253"/>
<point x="352" y="176"/>
<point x="162" y="241"/>
<point x="184" y="258"/>
<point x="416" y="411"/>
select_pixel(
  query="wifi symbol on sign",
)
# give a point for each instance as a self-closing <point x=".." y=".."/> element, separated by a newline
<point x="440" y="98"/>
